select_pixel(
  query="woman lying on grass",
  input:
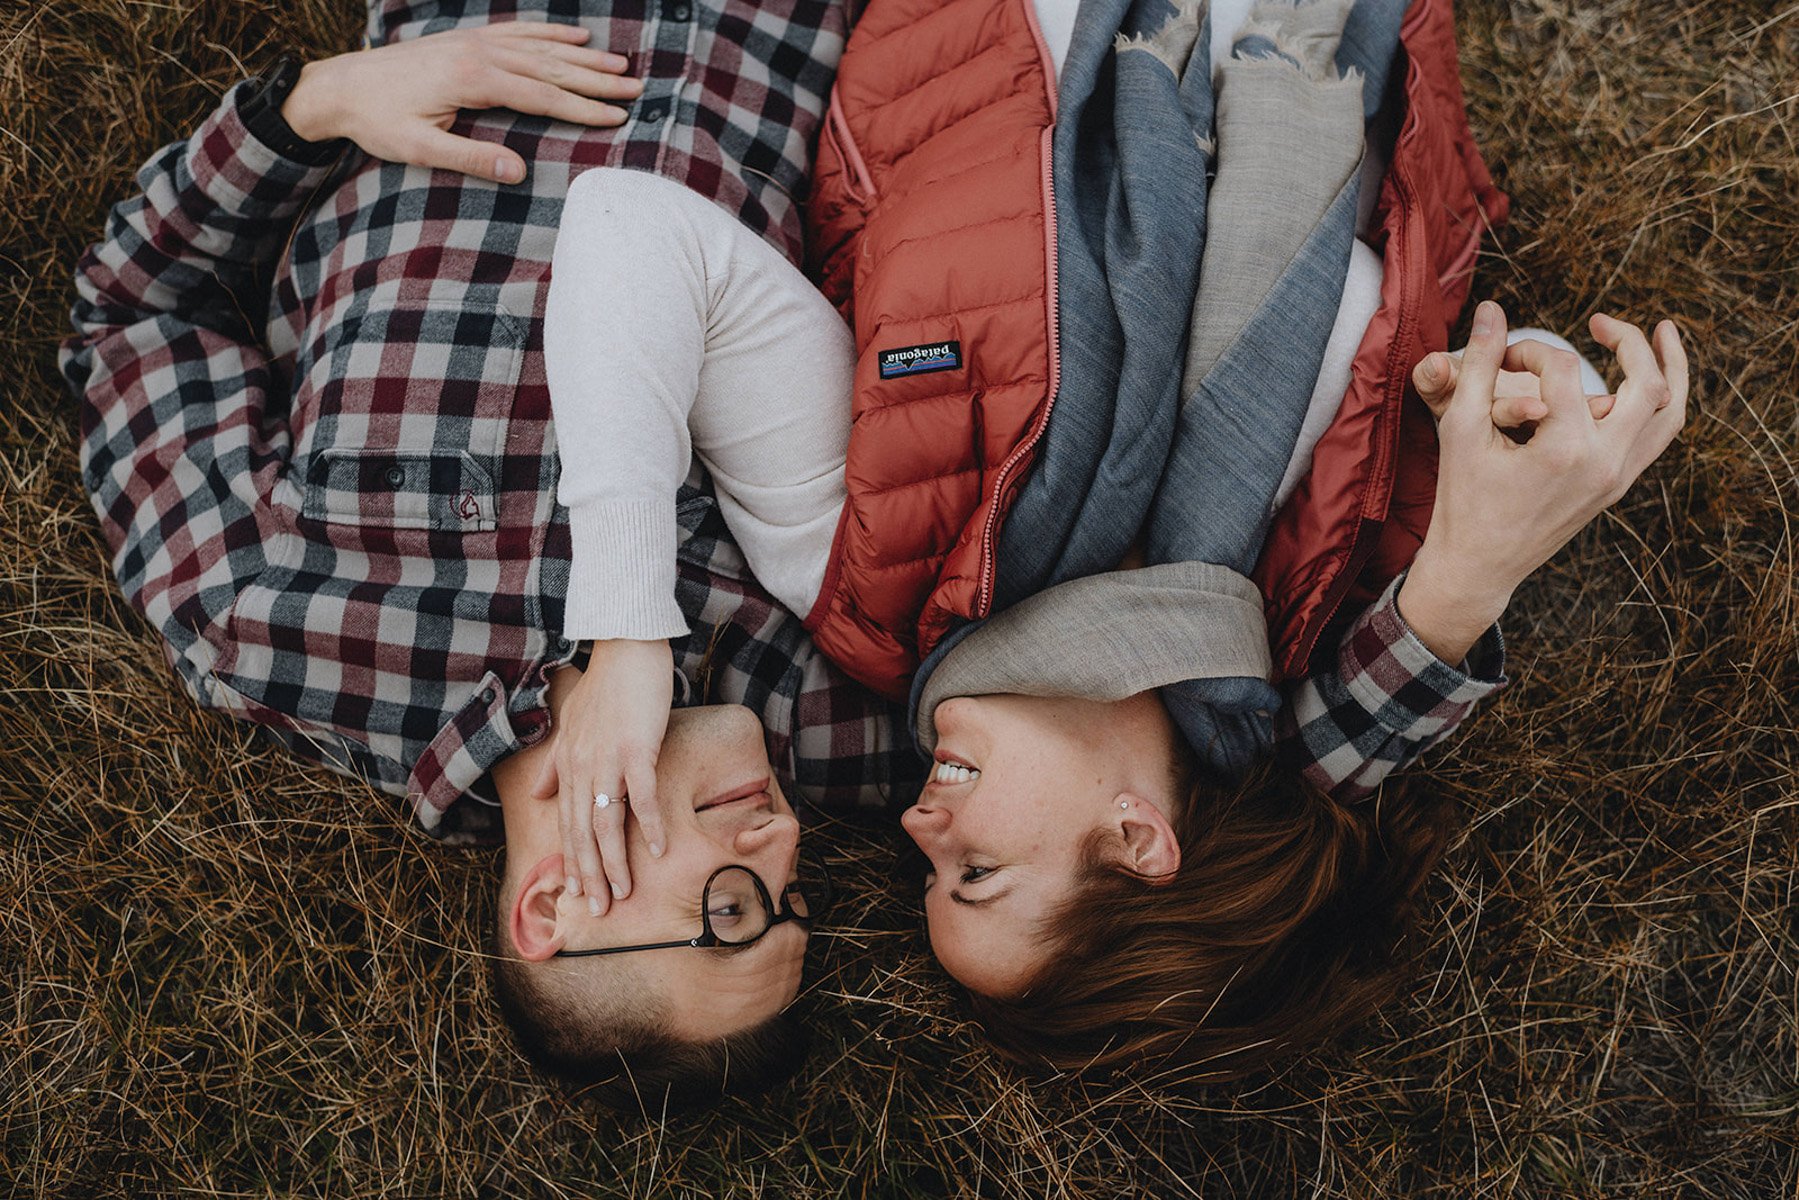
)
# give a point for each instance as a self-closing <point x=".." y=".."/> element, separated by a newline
<point x="1103" y="882"/>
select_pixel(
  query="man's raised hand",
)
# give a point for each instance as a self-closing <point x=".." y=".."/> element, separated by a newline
<point x="1506" y="503"/>
<point x="608" y="737"/>
<point x="398" y="101"/>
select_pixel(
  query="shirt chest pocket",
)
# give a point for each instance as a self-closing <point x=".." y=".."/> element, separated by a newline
<point x="448" y="490"/>
<point x="402" y="420"/>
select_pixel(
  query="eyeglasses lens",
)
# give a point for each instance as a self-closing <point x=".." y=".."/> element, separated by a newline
<point x="735" y="907"/>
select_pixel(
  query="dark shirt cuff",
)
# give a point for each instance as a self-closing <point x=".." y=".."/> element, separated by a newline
<point x="265" y="123"/>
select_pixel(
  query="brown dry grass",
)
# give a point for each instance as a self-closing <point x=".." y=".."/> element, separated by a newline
<point x="227" y="975"/>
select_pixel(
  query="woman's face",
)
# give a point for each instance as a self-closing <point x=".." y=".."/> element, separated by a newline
<point x="1019" y="787"/>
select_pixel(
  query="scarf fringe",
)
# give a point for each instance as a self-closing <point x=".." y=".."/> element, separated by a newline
<point x="1172" y="45"/>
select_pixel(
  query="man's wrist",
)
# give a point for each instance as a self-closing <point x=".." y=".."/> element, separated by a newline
<point x="1446" y="608"/>
<point x="310" y="108"/>
<point x="265" y="108"/>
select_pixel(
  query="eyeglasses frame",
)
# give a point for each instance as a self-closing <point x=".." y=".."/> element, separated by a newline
<point x="708" y="940"/>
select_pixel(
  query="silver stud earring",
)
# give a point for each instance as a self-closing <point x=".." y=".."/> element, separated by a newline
<point x="1124" y="804"/>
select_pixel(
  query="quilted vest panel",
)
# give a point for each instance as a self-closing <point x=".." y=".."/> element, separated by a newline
<point x="1357" y="520"/>
<point x="930" y="222"/>
<point x="928" y="229"/>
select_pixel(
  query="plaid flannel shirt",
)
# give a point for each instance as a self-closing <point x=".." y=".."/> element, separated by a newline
<point x="317" y="435"/>
<point x="317" y="432"/>
<point x="1382" y="700"/>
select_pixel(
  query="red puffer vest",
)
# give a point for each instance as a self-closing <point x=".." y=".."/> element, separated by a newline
<point x="931" y="205"/>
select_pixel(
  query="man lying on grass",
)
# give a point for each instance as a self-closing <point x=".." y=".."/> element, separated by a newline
<point x="317" y="432"/>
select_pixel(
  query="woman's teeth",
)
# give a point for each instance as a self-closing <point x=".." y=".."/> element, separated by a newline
<point x="947" y="772"/>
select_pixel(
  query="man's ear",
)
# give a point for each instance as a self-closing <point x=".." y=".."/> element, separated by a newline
<point x="1151" y="848"/>
<point x="535" y="921"/>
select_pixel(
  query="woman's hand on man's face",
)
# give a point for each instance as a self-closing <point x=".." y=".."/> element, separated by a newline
<point x="608" y="739"/>
<point x="398" y="101"/>
<point x="1520" y="475"/>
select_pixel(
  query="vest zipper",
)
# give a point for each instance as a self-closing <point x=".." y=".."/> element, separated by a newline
<point x="1368" y="529"/>
<point x="984" y="599"/>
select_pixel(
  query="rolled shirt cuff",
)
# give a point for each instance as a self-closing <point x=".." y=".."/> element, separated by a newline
<point x="1405" y="687"/>
<point x="621" y="580"/>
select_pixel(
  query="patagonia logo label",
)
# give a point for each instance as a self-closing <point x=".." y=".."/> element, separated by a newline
<point x="921" y="360"/>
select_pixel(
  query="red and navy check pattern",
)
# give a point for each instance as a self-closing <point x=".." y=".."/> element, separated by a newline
<point x="334" y="496"/>
<point x="1384" y="700"/>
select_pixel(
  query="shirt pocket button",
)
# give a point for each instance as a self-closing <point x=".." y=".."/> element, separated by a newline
<point x="396" y="477"/>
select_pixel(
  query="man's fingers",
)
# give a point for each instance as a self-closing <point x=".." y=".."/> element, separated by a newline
<point x="610" y="67"/>
<point x="483" y="160"/>
<point x="571" y="69"/>
<point x="1627" y="342"/>
<point x="1666" y="424"/>
<point x="1644" y="391"/>
<point x="547" y="100"/>
<point x="1673" y="356"/>
<point x="1481" y="360"/>
<point x="574" y="35"/>
<point x="1435" y="377"/>
<point x="1509" y="412"/>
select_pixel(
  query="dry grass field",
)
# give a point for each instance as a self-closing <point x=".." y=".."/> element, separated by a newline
<point x="223" y="974"/>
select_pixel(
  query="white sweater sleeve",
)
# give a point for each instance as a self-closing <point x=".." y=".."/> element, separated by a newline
<point x="624" y="333"/>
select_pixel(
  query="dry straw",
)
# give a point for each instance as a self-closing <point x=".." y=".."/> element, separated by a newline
<point x="228" y="975"/>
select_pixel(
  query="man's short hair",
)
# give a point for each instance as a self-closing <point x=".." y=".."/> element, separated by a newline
<point x="594" y="1028"/>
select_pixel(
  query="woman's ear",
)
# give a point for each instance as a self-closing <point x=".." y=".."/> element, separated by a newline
<point x="535" y="921"/>
<point x="1151" y="848"/>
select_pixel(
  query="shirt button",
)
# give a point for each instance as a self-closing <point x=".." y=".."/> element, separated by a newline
<point x="654" y="113"/>
<point x="682" y="12"/>
<point x="487" y="695"/>
<point x="563" y="645"/>
<point x="396" y="476"/>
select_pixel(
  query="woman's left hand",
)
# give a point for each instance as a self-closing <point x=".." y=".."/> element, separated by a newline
<point x="608" y="739"/>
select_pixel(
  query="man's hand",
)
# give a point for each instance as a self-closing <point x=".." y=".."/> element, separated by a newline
<point x="1521" y="476"/>
<point x="397" y="102"/>
<point x="608" y="738"/>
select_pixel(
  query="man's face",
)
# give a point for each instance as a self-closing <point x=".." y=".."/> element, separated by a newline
<point x="722" y="806"/>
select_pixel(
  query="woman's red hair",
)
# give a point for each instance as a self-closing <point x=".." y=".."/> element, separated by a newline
<point x="1282" y="927"/>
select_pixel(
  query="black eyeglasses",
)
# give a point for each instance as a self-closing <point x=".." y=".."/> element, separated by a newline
<point x="736" y="910"/>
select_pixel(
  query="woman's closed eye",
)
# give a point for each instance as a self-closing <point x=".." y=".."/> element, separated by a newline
<point x="976" y="874"/>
